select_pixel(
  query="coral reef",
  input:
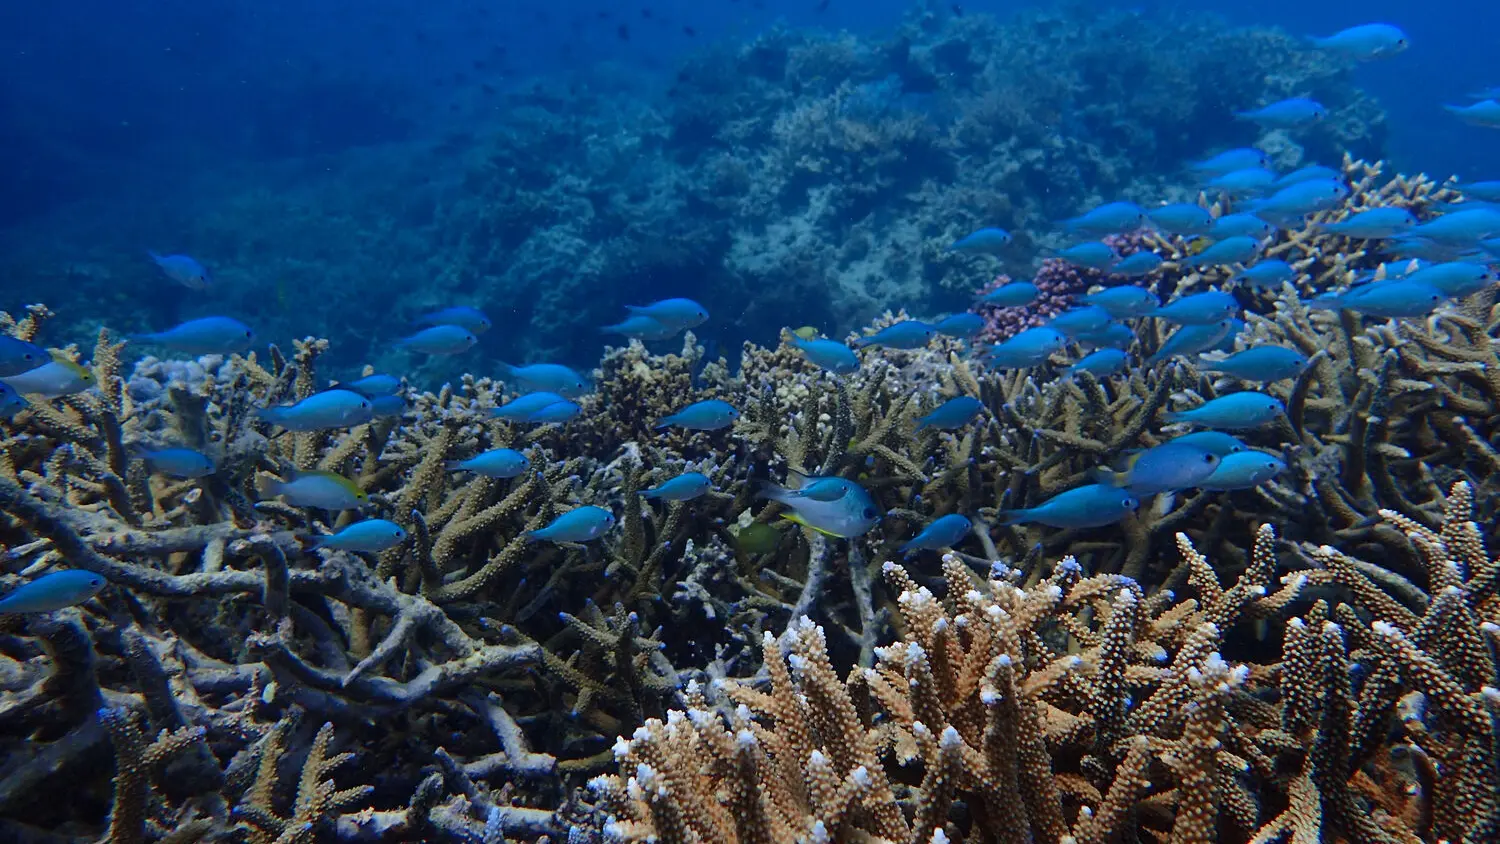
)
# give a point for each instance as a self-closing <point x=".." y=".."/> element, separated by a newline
<point x="1308" y="659"/>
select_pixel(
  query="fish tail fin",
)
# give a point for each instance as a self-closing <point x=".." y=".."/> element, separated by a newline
<point x="664" y="422"/>
<point x="1106" y="476"/>
<point x="650" y="493"/>
<point x="1323" y="303"/>
<point x="506" y="370"/>
<point x="453" y="465"/>
<point x="269" y="486"/>
<point x="1174" y="416"/>
<point x="771" y="490"/>
<point x="312" y="541"/>
<point x="153" y="256"/>
<point x="1012" y="517"/>
<point x="268" y="414"/>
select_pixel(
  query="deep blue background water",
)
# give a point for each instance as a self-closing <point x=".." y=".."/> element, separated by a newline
<point x="96" y="95"/>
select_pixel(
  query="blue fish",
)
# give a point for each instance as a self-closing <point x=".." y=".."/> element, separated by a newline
<point x="1109" y="218"/>
<point x="1192" y="339"/>
<point x="1485" y="113"/>
<point x="320" y="411"/>
<point x="1408" y="247"/>
<point x="495" y="463"/>
<point x="1124" y="302"/>
<point x="1030" y="347"/>
<point x="1241" y="225"/>
<point x="851" y="514"/>
<point x="578" y="525"/>
<point x="1287" y="114"/>
<point x="1234" y="412"/>
<point x="822" y="489"/>
<point x="1214" y="442"/>
<point x="960" y="325"/>
<point x="1231" y="160"/>
<point x="1094" y="505"/>
<point x="463" y="316"/>
<point x="178" y="462"/>
<point x="1306" y="174"/>
<point x="1243" y="182"/>
<point x="1080" y="320"/>
<point x="554" y="413"/>
<point x="371" y="386"/>
<point x="1230" y="250"/>
<point x="1457" y="278"/>
<point x="206" y="336"/>
<point x="1366" y="41"/>
<point x="1100" y="364"/>
<point x="18" y="356"/>
<point x="183" y="270"/>
<point x="440" y="340"/>
<point x="1183" y="218"/>
<point x="675" y="313"/>
<point x="828" y="354"/>
<point x="1272" y="272"/>
<point x="1093" y="255"/>
<point x="986" y="241"/>
<point x="11" y="402"/>
<point x="545" y="378"/>
<point x="370" y="536"/>
<point x="1199" y="308"/>
<point x="1116" y="335"/>
<point x="706" y="415"/>
<point x="945" y="532"/>
<point x="55" y="591"/>
<point x="1461" y="228"/>
<point x="641" y="327"/>
<point x="1137" y="264"/>
<point x="1261" y="363"/>
<point x="906" y="334"/>
<point x="684" y="487"/>
<point x="1226" y="345"/>
<point x="1385" y="299"/>
<point x="521" y="409"/>
<point x="951" y="414"/>
<point x="1373" y="224"/>
<point x="1300" y="199"/>
<point x="1488" y="191"/>
<point x="1243" y="470"/>
<point x="319" y="490"/>
<point x="1168" y="467"/>
<point x="1012" y="295"/>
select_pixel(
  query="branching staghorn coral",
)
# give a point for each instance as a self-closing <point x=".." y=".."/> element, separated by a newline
<point x="483" y="675"/>
<point x="1083" y="710"/>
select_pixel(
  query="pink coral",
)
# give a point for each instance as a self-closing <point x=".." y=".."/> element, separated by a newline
<point x="1060" y="284"/>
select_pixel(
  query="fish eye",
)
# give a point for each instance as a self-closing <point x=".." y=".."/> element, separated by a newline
<point x="1209" y="458"/>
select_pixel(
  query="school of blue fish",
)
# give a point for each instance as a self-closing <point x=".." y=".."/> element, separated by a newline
<point x="1432" y="262"/>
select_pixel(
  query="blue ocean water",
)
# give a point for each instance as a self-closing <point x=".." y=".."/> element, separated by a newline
<point x="180" y="126"/>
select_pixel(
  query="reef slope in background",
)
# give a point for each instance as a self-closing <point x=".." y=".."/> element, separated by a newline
<point x="806" y="173"/>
